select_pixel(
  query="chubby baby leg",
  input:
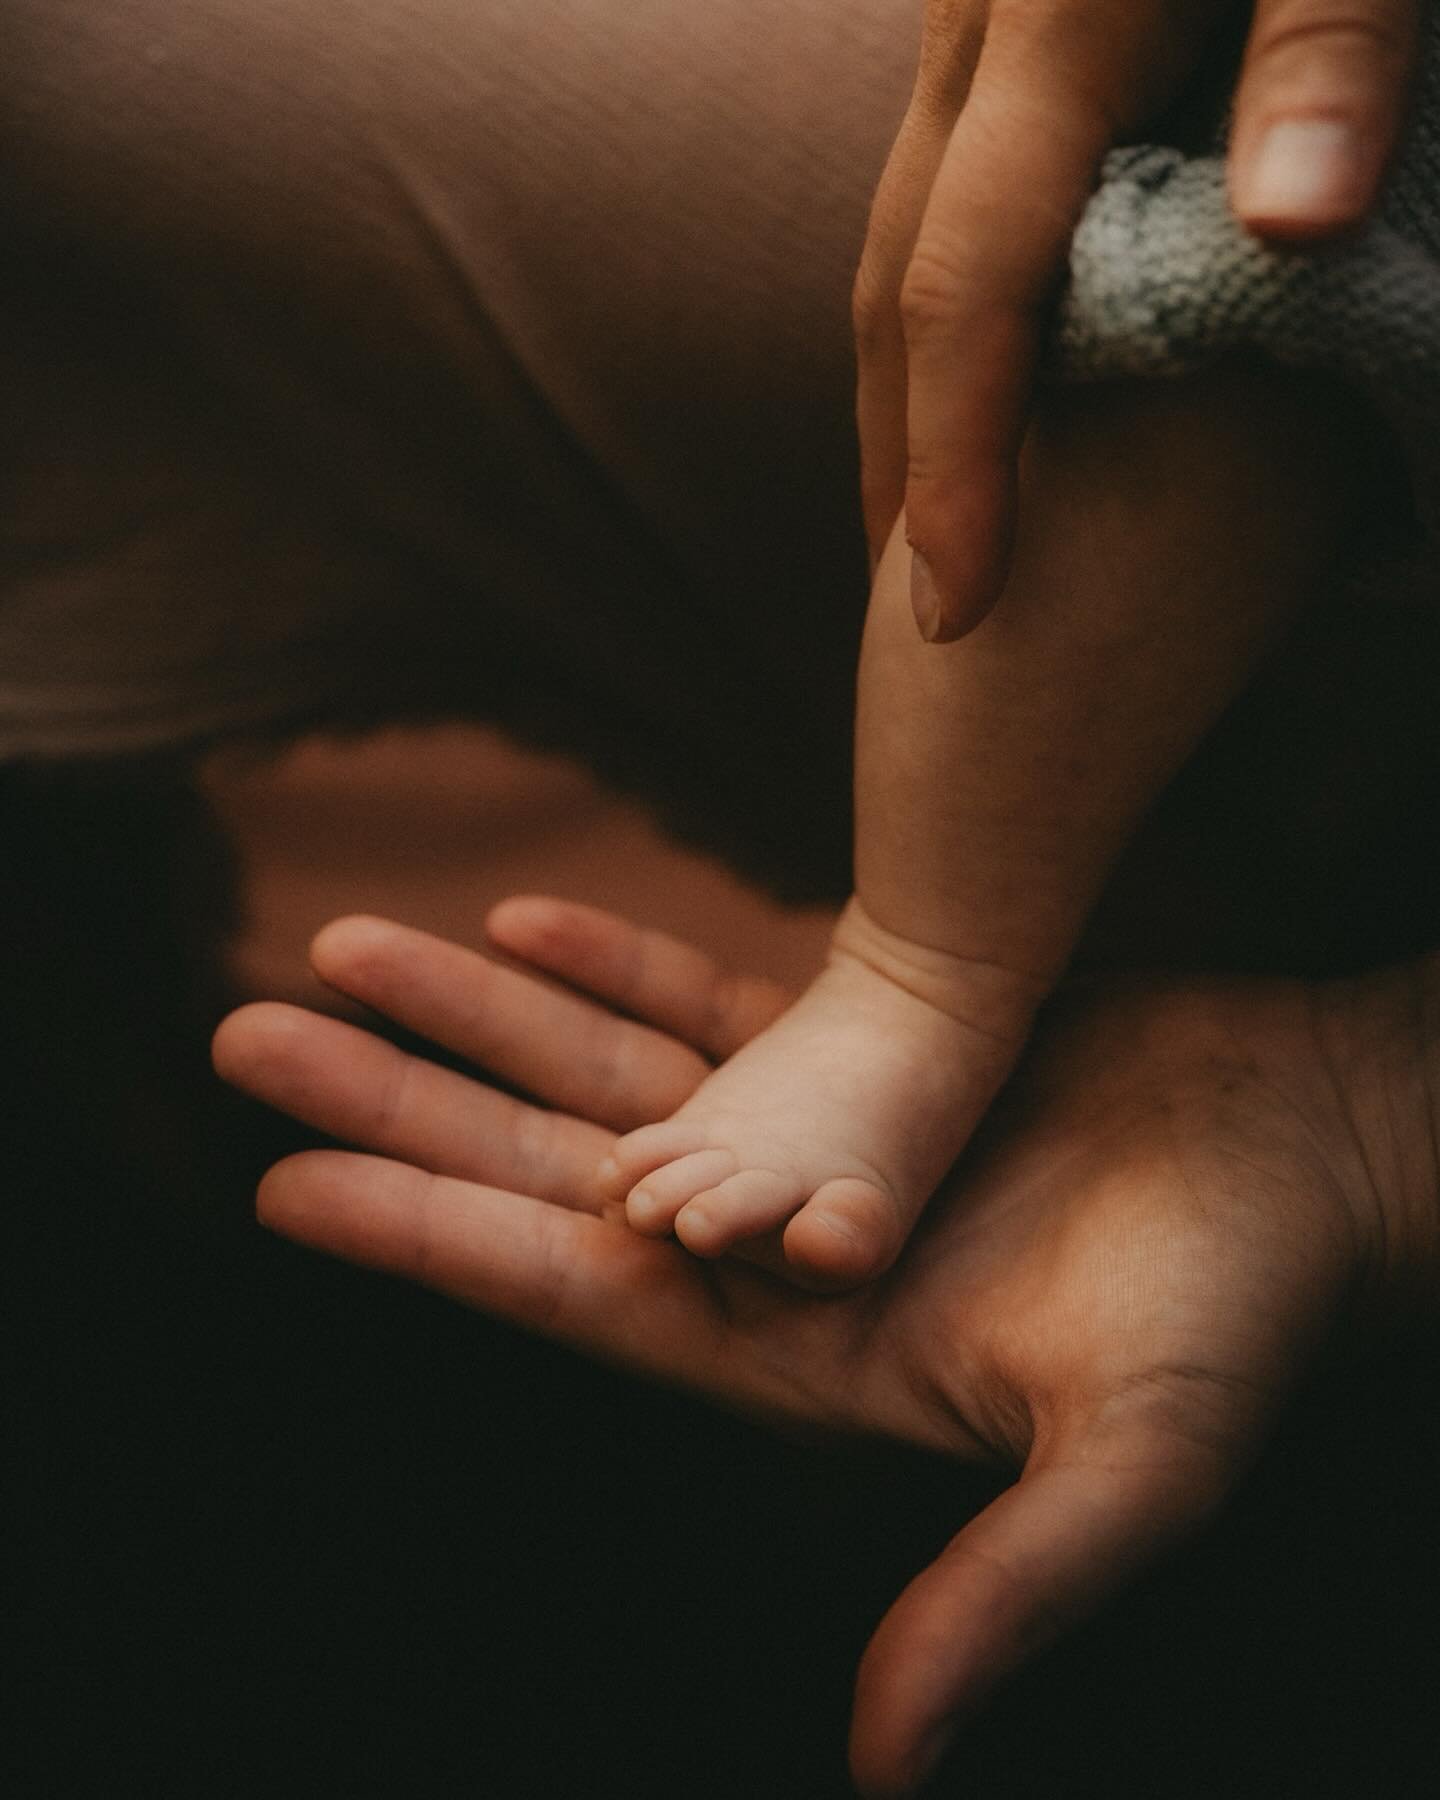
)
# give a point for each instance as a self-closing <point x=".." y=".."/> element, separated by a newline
<point x="1168" y="533"/>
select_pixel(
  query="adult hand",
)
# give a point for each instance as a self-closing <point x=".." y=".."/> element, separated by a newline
<point x="1189" y="1189"/>
<point x="1015" y="104"/>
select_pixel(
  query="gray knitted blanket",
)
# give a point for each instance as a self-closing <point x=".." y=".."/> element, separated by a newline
<point x="1163" y="280"/>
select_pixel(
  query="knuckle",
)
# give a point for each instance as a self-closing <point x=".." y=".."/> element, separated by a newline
<point x="870" y="316"/>
<point x="606" y="1063"/>
<point x="532" y="1146"/>
<point x="925" y="516"/>
<point x="393" y="1107"/>
<point x="1347" y="43"/>
<point x="932" y="294"/>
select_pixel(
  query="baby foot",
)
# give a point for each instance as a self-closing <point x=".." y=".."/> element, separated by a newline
<point x="841" y="1118"/>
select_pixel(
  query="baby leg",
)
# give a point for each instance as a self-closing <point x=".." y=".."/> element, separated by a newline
<point x="1167" y="535"/>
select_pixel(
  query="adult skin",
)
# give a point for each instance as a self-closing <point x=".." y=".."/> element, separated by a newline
<point x="1193" y="1188"/>
<point x="1015" y="104"/>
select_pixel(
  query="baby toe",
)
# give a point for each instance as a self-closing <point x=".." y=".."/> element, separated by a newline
<point x="654" y="1201"/>
<point x="633" y="1156"/>
<point x="749" y="1203"/>
<point x="849" y="1232"/>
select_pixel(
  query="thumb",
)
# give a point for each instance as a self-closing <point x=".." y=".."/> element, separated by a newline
<point x="1319" y="108"/>
<point x="1044" y="1555"/>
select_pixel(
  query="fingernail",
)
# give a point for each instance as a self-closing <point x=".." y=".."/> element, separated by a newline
<point x="1304" y="171"/>
<point x="608" y="1172"/>
<point x="924" y="598"/>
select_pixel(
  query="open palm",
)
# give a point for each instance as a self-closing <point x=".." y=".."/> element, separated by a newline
<point x="1113" y="1293"/>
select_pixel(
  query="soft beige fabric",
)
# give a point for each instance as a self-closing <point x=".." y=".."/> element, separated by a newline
<point x="377" y="358"/>
<point x="381" y="359"/>
<point x="359" y="328"/>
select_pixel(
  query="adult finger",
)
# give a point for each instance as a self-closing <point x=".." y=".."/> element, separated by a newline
<point x="1319" y="108"/>
<point x="572" y="1277"/>
<point x="584" y="1281"/>
<point x="950" y="48"/>
<point x="1033" y="1564"/>
<point x="1055" y="85"/>
<point x="563" y="1050"/>
<point x="345" y="1082"/>
<point x="658" y="980"/>
<point x="1010" y="188"/>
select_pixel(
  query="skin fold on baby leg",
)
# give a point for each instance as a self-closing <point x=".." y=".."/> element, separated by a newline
<point x="1168" y="534"/>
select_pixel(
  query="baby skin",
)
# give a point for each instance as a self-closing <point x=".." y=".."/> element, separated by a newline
<point x="1168" y="534"/>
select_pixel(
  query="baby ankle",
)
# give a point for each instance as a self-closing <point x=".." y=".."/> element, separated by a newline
<point x="980" y="991"/>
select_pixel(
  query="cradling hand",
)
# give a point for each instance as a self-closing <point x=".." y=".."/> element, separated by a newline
<point x="1189" y="1189"/>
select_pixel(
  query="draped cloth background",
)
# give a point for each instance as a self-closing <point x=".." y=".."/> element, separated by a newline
<point x="372" y="360"/>
<point x="369" y="360"/>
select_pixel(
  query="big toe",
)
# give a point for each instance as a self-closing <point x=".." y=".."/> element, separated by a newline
<point x="849" y="1232"/>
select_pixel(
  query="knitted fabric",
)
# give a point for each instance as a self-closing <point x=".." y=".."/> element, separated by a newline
<point x="1163" y="280"/>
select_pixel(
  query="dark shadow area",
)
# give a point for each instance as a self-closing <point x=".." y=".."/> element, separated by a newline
<point x="281" y="1527"/>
